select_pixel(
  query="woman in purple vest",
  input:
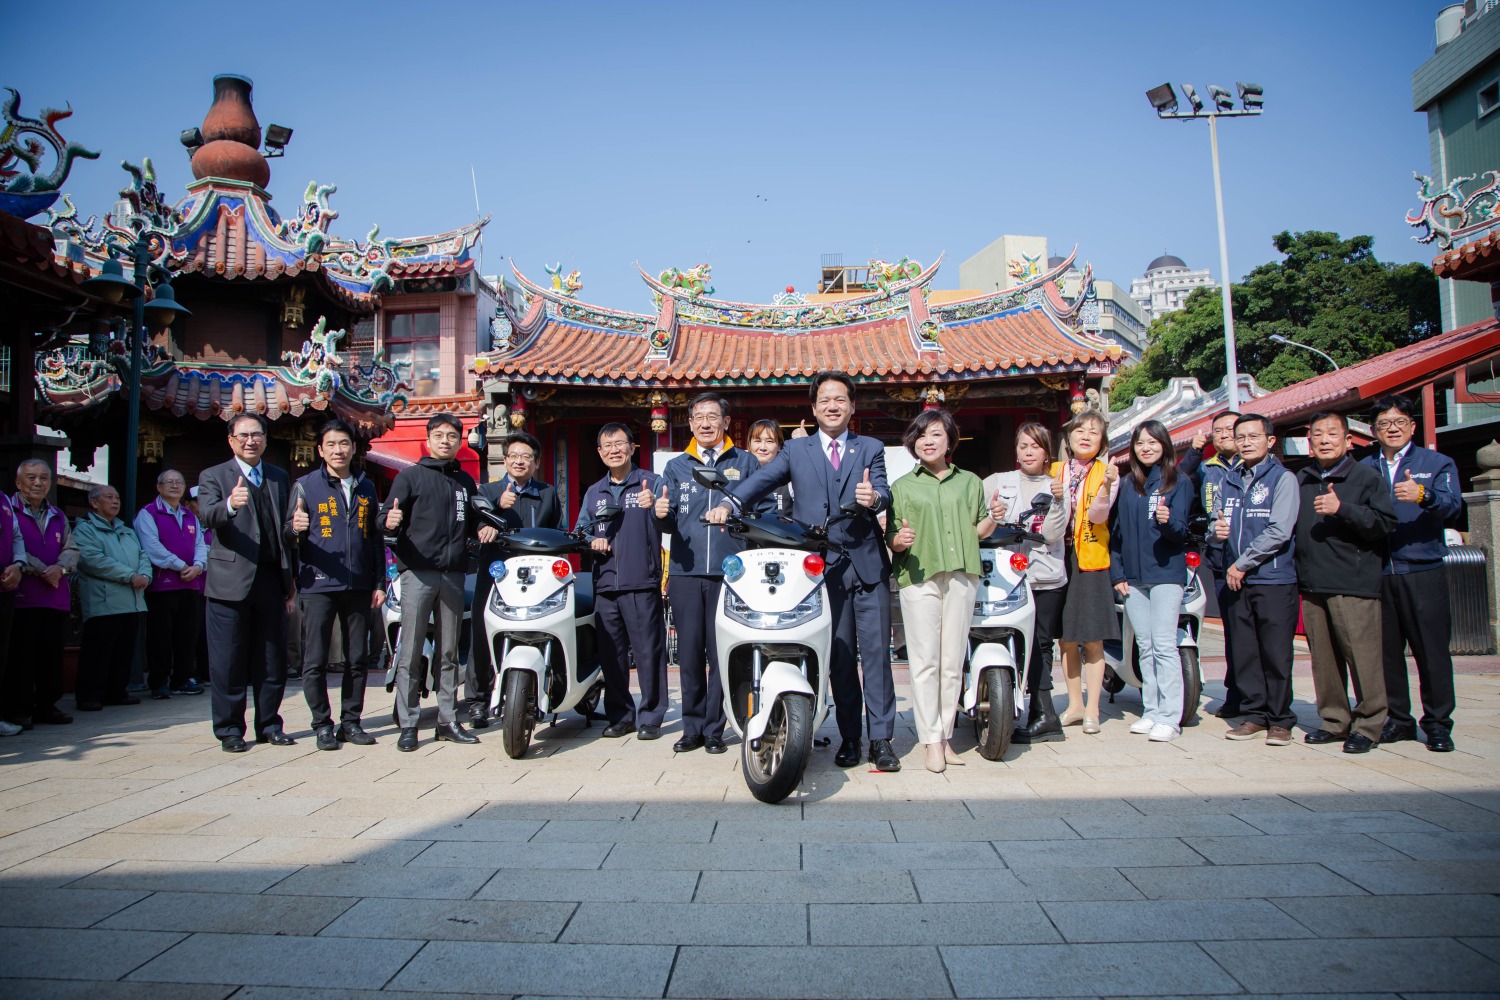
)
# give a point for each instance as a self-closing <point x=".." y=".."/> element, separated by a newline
<point x="113" y="572"/>
<point x="33" y="677"/>
<point x="10" y="578"/>
<point x="174" y="542"/>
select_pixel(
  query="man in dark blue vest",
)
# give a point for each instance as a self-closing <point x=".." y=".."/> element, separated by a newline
<point x="335" y="529"/>
<point x="1256" y="525"/>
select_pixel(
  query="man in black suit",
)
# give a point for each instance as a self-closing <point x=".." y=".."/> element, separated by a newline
<point x="827" y="470"/>
<point x="243" y="502"/>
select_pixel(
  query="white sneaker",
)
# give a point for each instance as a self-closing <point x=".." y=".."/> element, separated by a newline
<point x="9" y="728"/>
<point x="1163" y="733"/>
<point x="1142" y="726"/>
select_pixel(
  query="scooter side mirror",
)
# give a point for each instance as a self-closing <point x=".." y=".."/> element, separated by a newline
<point x="482" y="503"/>
<point x="1198" y="524"/>
<point x="609" y="512"/>
<point x="853" y="507"/>
<point x="711" y="479"/>
<point x="1041" y="503"/>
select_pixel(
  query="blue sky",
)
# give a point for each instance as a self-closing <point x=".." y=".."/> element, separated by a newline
<point x="756" y="136"/>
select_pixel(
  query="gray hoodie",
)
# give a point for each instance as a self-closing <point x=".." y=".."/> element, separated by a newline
<point x="1048" y="569"/>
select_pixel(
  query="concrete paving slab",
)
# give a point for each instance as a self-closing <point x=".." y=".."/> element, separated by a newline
<point x="272" y="960"/>
<point x="621" y="885"/>
<point x="466" y="829"/>
<point x="1172" y="920"/>
<point x="806" y="887"/>
<point x="186" y="876"/>
<point x="1397" y="916"/>
<point x="824" y="972"/>
<point x="948" y="831"/>
<point x="1444" y="846"/>
<point x="1098" y="853"/>
<point x="573" y="831"/>
<point x="1137" y="827"/>
<point x="812" y="831"/>
<point x="766" y="857"/>
<point x="229" y="913"/>
<point x="1309" y="823"/>
<point x="452" y="920"/>
<point x="689" y="923"/>
<point x="93" y="989"/>
<point x="504" y="968"/>
<point x="525" y="857"/>
<point x="34" y="906"/>
<point x="932" y="923"/>
<point x="1420" y="878"/>
<point x="1400" y="964"/>
<point x="1240" y="882"/>
<point x="980" y="885"/>
<point x="385" y="883"/>
<point x="1068" y="970"/>
<point x="1291" y="849"/>
<point x="53" y="953"/>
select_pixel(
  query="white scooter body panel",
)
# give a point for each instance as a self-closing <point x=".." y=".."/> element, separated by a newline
<point x="776" y="679"/>
<point x="1000" y="584"/>
<point x="528" y="582"/>
<point x="792" y="586"/>
<point x="1189" y="627"/>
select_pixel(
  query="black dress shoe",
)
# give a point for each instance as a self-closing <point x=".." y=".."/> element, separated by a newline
<point x="1397" y="732"/>
<point x="1359" y="743"/>
<point x="1318" y="736"/>
<point x="622" y="728"/>
<point x="848" y="754"/>
<point x="350" y="732"/>
<point x="1228" y="711"/>
<point x="408" y="741"/>
<point x="713" y="744"/>
<point x="686" y="743"/>
<point x="326" y="739"/>
<point x="294" y="675"/>
<point x="883" y="756"/>
<point x="648" y="733"/>
<point x="233" y="744"/>
<point x="276" y="737"/>
<point x="455" y="733"/>
<point x="479" y="714"/>
<point x="54" y="717"/>
<point x="89" y="706"/>
<point x="1439" y="742"/>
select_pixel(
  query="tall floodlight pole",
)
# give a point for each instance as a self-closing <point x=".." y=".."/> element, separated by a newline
<point x="1164" y="100"/>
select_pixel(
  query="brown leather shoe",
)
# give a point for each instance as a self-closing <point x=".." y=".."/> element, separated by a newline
<point x="1246" y="730"/>
<point x="1278" y="736"/>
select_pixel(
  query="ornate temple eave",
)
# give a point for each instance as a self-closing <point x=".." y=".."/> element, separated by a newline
<point x="894" y="287"/>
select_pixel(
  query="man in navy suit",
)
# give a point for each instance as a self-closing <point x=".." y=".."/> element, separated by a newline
<point x="827" y="470"/>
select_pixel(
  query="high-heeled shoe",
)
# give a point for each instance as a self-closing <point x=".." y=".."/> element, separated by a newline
<point x="951" y="756"/>
<point x="1091" y="726"/>
<point x="935" y="762"/>
<point x="1072" y="717"/>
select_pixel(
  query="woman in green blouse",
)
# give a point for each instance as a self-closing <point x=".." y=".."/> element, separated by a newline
<point x="936" y="519"/>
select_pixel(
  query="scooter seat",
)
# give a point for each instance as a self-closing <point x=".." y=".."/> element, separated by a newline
<point x="583" y="594"/>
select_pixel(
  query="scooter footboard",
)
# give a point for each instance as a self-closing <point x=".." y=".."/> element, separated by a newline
<point x="984" y="656"/>
<point x="778" y="678"/>
<point x="520" y="657"/>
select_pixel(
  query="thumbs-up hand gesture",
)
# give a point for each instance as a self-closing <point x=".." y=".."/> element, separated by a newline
<point x="864" y="493"/>
<point x="394" y="516"/>
<point x="1163" y="511"/>
<point x="1326" y="502"/>
<point x="1221" y="526"/>
<point x="905" y="538"/>
<point x="508" y="496"/>
<point x="1408" y="489"/>
<point x="997" y="507"/>
<point x="1199" y="441"/>
<point x="240" y="495"/>
<point x="300" y="521"/>
<point x="801" y="431"/>
<point x="645" y="499"/>
<point x="1111" y="473"/>
<point x="663" y="503"/>
<point x="1059" y="486"/>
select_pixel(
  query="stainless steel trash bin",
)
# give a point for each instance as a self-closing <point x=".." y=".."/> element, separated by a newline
<point x="1468" y="601"/>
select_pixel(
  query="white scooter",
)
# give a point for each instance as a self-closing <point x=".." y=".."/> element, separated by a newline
<point x="774" y="633"/>
<point x="1121" y="669"/>
<point x="539" y="623"/>
<point x="995" y="682"/>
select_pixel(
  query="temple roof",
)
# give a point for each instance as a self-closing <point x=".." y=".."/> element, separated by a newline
<point x="893" y="333"/>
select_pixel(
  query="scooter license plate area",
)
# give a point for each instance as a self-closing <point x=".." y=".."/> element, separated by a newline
<point x="529" y="580"/>
<point x="774" y="580"/>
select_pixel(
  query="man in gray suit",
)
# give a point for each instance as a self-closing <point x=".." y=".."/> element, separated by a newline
<point x="249" y="586"/>
<point x="828" y="470"/>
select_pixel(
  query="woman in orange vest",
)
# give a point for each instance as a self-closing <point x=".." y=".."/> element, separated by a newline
<point x="1089" y="620"/>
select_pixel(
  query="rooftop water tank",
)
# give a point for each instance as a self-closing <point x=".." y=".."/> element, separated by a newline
<point x="1450" y="22"/>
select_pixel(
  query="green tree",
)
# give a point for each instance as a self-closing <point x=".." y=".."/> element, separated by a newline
<point x="1327" y="292"/>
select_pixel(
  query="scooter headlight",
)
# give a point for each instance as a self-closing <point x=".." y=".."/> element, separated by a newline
<point x="1012" y="601"/>
<point x="393" y="597"/>
<point x="547" y="606"/>
<point x="733" y="567"/>
<point x="810" y="607"/>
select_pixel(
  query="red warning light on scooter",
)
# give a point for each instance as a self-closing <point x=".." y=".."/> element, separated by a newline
<point x="813" y="565"/>
<point x="561" y="568"/>
<point x="1019" y="562"/>
<point x="1193" y="559"/>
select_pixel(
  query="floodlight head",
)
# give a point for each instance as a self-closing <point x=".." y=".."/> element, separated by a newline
<point x="1163" y="99"/>
<point x="1250" y="95"/>
<point x="1192" y="97"/>
<point x="1220" y="97"/>
<point x="277" y="136"/>
<point x="191" y="138"/>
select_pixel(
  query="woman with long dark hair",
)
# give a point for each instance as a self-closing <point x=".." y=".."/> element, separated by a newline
<point x="1148" y="566"/>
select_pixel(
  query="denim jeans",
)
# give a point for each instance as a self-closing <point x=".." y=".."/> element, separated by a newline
<point x="1153" y="612"/>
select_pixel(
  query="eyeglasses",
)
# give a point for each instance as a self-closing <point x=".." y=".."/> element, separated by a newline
<point x="520" y="456"/>
<point x="172" y="482"/>
<point x="252" y="436"/>
<point x="1394" y="423"/>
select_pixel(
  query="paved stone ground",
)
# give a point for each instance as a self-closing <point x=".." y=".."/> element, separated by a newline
<point x="137" y="860"/>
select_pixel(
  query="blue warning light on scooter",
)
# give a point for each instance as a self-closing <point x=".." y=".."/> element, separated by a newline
<point x="733" y="567"/>
<point x="498" y="570"/>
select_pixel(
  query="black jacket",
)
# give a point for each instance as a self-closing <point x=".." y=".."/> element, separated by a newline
<point x="436" y="521"/>
<point x="344" y="545"/>
<point x="1342" y="553"/>
<point x="535" y="507"/>
<point x="699" y="549"/>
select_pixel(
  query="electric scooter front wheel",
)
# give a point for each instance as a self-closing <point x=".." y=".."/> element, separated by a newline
<point x="1192" y="684"/>
<point x="517" y="718"/>
<point x="995" y="718"/>
<point x="775" y="762"/>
